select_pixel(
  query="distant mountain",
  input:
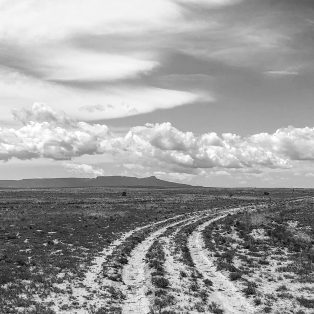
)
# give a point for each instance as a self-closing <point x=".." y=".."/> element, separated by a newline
<point x="108" y="181"/>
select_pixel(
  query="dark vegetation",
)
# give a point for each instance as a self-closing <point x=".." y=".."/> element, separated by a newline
<point x="155" y="259"/>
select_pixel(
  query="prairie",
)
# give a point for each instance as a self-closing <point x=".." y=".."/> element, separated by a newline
<point x="143" y="250"/>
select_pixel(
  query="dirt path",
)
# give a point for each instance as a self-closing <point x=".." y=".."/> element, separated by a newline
<point x="136" y="275"/>
<point x="87" y="293"/>
<point x="225" y="294"/>
<point x="90" y="293"/>
<point x="184" y="300"/>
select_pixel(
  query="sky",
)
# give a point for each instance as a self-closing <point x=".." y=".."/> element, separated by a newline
<point x="206" y="92"/>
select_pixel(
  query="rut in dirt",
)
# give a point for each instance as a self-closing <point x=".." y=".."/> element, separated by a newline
<point x="225" y="294"/>
<point x="136" y="275"/>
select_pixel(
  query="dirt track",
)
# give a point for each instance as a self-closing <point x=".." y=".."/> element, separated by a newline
<point x="91" y="293"/>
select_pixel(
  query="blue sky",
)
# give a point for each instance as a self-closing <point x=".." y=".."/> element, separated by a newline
<point x="213" y="92"/>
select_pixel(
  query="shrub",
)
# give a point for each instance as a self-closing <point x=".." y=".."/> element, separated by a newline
<point x="221" y="265"/>
<point x="257" y="301"/>
<point x="308" y="303"/>
<point x="5" y="278"/>
<point x="194" y="287"/>
<point x="163" y="302"/>
<point x="228" y="256"/>
<point x="208" y="282"/>
<point x="235" y="275"/>
<point x="282" y="288"/>
<point x="161" y="282"/>
<point x="263" y="261"/>
<point x="250" y="289"/>
<point x="183" y="274"/>
<point x="214" y="308"/>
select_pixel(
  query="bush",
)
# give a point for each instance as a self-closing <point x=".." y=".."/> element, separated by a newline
<point x="257" y="301"/>
<point x="208" y="282"/>
<point x="250" y="289"/>
<point x="228" y="256"/>
<point x="308" y="303"/>
<point x="221" y="265"/>
<point x="235" y="275"/>
<point x="5" y="278"/>
<point x="194" y="287"/>
<point x="161" y="282"/>
<point x="183" y="274"/>
<point x="214" y="308"/>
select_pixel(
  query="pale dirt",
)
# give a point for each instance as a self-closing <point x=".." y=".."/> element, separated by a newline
<point x="136" y="274"/>
<point x="225" y="294"/>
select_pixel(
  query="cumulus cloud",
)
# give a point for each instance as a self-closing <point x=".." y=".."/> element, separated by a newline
<point x="83" y="169"/>
<point x="166" y="143"/>
<point x="48" y="134"/>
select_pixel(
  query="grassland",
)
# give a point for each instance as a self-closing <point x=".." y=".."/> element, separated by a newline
<point x="73" y="250"/>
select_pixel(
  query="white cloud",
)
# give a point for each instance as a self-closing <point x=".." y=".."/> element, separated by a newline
<point x="281" y="73"/>
<point x="48" y="134"/>
<point x="211" y="3"/>
<point x="50" y="20"/>
<point x="82" y="65"/>
<point x="295" y="143"/>
<point x="51" y="135"/>
<point x="53" y="52"/>
<point x="83" y="169"/>
<point x="165" y="143"/>
<point x="49" y="44"/>
<point x="109" y="101"/>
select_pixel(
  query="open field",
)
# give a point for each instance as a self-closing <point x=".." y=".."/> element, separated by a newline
<point x="95" y="250"/>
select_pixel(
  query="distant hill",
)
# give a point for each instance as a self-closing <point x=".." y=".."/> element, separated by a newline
<point x="108" y="181"/>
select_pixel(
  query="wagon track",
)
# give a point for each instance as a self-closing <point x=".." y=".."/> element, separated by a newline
<point x="90" y="292"/>
<point x="225" y="294"/>
<point x="136" y="274"/>
<point x="136" y="278"/>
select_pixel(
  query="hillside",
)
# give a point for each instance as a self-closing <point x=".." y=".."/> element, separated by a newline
<point x="103" y="181"/>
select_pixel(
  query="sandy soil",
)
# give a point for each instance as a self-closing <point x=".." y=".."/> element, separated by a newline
<point x="225" y="294"/>
<point x="136" y="275"/>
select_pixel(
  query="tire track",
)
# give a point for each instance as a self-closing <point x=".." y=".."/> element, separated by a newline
<point x="90" y="292"/>
<point x="136" y="275"/>
<point x="225" y="294"/>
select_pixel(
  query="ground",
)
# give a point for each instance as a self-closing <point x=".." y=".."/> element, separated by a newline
<point x="191" y="250"/>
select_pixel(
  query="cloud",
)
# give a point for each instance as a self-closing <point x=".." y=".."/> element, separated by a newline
<point x="41" y="113"/>
<point x="50" y="20"/>
<point x="112" y="101"/>
<point x="281" y="73"/>
<point x="165" y="143"/>
<point x="294" y="143"/>
<point x="46" y="133"/>
<point x="73" y="65"/>
<point x="211" y="3"/>
<point x="112" y="53"/>
<point x="83" y="169"/>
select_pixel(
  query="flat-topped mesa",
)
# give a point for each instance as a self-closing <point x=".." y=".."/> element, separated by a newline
<point x="101" y="181"/>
